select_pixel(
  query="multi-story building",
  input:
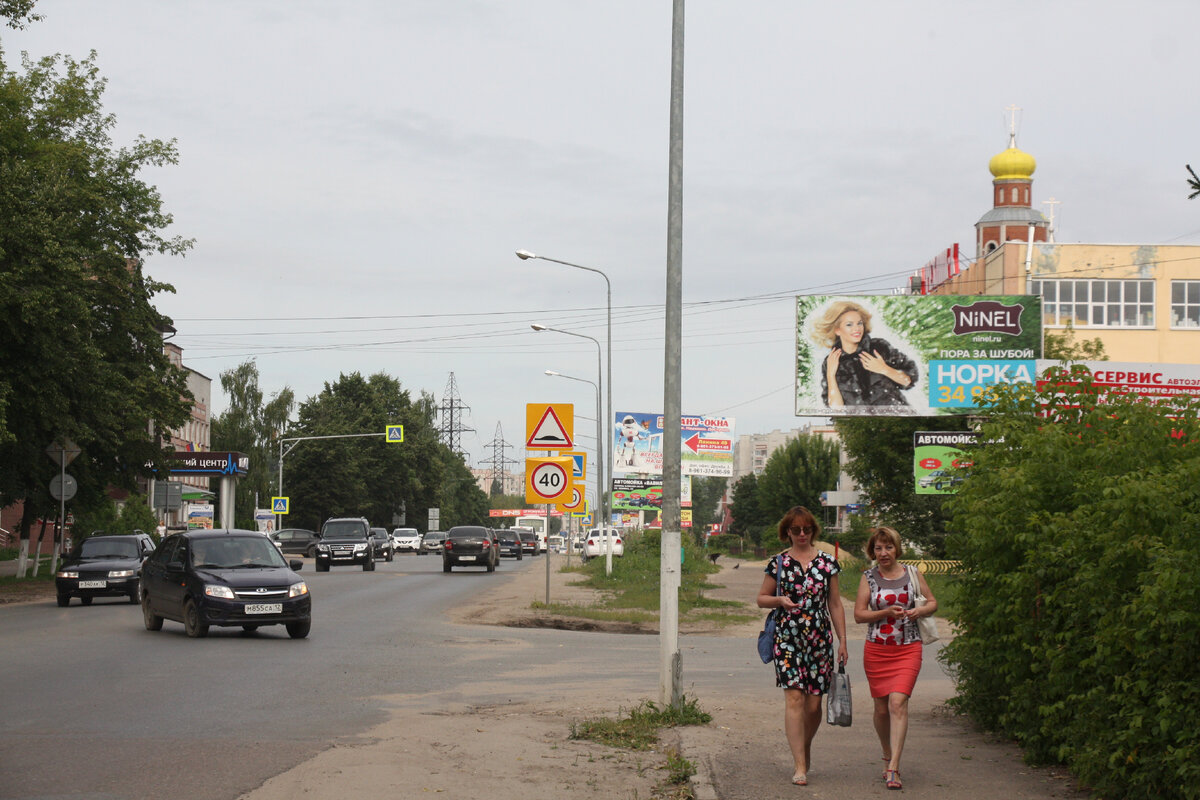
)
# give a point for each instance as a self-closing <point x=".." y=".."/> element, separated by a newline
<point x="1142" y="300"/>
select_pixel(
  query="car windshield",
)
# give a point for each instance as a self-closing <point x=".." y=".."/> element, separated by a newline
<point x="235" y="552"/>
<point x="105" y="547"/>
<point x="344" y="530"/>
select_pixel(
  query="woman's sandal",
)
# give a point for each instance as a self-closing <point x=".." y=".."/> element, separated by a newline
<point x="800" y="779"/>
<point x="893" y="779"/>
<point x="886" y="760"/>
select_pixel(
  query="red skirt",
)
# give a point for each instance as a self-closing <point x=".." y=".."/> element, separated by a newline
<point x="891" y="668"/>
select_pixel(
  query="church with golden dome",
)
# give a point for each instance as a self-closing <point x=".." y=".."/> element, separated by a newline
<point x="1012" y="214"/>
<point x="1141" y="299"/>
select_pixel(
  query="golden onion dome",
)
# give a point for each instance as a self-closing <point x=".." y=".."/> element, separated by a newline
<point x="1012" y="164"/>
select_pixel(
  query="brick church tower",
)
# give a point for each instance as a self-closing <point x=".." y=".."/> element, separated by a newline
<point x="1012" y="212"/>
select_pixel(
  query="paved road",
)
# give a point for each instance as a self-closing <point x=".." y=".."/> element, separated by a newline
<point x="95" y="706"/>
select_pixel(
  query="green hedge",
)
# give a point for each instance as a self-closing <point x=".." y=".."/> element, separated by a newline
<point x="1078" y="623"/>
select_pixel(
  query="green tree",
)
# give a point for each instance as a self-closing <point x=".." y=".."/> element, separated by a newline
<point x="747" y="518"/>
<point x="707" y="492"/>
<point x="19" y="13"/>
<point x="366" y="476"/>
<point x="796" y="475"/>
<point x="81" y="345"/>
<point x="1077" y="630"/>
<point x="1063" y="347"/>
<point x="880" y="451"/>
<point x="252" y="426"/>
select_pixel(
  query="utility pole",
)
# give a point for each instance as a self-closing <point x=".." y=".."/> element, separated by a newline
<point x="452" y="427"/>
<point x="498" y="461"/>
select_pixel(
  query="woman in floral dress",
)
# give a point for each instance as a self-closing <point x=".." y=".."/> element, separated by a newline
<point x="805" y="605"/>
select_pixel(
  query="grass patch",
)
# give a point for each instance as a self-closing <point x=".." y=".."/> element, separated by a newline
<point x="638" y="729"/>
<point x="596" y="612"/>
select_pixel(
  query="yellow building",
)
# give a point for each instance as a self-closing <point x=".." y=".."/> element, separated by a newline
<point x="1141" y="300"/>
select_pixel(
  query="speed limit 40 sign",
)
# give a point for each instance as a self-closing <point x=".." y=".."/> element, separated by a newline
<point x="547" y="480"/>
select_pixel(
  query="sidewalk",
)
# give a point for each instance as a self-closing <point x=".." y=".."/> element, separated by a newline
<point x="743" y="754"/>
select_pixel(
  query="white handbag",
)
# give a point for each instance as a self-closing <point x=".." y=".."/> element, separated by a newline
<point x="927" y="625"/>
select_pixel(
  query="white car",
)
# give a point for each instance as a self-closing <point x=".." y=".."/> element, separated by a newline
<point x="597" y="542"/>
<point x="406" y="540"/>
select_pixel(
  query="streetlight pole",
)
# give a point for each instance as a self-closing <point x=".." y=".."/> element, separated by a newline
<point x="599" y="453"/>
<point x="601" y="469"/>
<point x="605" y="502"/>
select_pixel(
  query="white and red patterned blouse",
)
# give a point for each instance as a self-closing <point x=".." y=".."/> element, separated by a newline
<point x="885" y="592"/>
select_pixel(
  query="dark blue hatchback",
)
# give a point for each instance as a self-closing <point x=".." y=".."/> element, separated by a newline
<point x="227" y="578"/>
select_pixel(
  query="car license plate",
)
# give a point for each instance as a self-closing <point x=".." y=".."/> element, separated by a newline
<point x="93" y="584"/>
<point x="466" y="558"/>
<point x="264" y="608"/>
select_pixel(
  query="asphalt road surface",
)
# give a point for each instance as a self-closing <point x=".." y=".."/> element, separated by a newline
<point x="95" y="706"/>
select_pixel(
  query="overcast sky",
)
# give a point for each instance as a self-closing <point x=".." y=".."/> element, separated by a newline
<point x="358" y="174"/>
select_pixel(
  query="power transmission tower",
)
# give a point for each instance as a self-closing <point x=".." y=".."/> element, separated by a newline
<point x="498" y="462"/>
<point x="452" y="427"/>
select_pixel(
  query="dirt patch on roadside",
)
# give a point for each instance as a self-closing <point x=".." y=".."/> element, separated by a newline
<point x="27" y="592"/>
<point x="512" y="604"/>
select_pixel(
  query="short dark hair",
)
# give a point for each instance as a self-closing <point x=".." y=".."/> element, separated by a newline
<point x="801" y="517"/>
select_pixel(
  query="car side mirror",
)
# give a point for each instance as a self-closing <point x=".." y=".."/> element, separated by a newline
<point x="296" y="564"/>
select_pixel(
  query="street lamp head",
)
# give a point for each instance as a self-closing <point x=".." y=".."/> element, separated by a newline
<point x="552" y="372"/>
<point x="525" y="255"/>
<point x="538" y="327"/>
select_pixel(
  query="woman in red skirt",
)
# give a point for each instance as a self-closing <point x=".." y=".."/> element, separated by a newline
<point x="892" y="651"/>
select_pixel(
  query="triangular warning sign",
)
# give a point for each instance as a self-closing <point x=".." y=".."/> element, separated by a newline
<point x="280" y="506"/>
<point x="549" y="433"/>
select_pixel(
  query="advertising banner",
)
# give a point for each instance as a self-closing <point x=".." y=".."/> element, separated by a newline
<point x="1152" y="381"/>
<point x="637" y="494"/>
<point x="706" y="444"/>
<point x="264" y="520"/>
<point x="906" y="355"/>
<point x="938" y="459"/>
<point x="200" y="515"/>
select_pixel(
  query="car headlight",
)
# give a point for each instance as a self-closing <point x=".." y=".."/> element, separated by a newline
<point x="298" y="589"/>
<point x="216" y="590"/>
<point x="322" y="548"/>
<point x="122" y="573"/>
<point x="67" y="573"/>
<point x="358" y="548"/>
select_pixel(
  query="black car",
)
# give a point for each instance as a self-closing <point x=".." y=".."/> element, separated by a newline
<point x="383" y="547"/>
<point x="510" y="544"/>
<point x="529" y="540"/>
<point x="103" y="566"/>
<point x="226" y="578"/>
<point x="470" y="546"/>
<point x="297" y="540"/>
<point x="346" y="541"/>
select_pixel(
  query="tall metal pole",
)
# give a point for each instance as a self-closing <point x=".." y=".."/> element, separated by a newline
<point x="670" y="663"/>
<point x="599" y="455"/>
<point x="605" y="509"/>
<point x="599" y="474"/>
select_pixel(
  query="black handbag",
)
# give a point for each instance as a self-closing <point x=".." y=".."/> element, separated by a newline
<point x="766" y="637"/>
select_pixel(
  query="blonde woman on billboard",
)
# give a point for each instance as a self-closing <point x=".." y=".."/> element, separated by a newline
<point x="860" y="370"/>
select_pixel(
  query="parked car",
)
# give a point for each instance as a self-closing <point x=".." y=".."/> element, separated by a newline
<point x="530" y="541"/>
<point x="432" y="542"/>
<point x="103" y="566"/>
<point x="226" y="578"/>
<point x="470" y="546"/>
<point x="382" y="543"/>
<point x="297" y="541"/>
<point x="510" y="544"/>
<point x="345" y="541"/>
<point x="406" y="540"/>
<point x="595" y="543"/>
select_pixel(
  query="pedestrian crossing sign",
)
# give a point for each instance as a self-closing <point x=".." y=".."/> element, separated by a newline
<point x="279" y="505"/>
<point x="579" y="468"/>
<point x="394" y="433"/>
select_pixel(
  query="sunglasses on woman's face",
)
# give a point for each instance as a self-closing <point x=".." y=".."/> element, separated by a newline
<point x="796" y="530"/>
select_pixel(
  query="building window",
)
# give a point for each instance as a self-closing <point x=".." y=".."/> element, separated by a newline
<point x="1096" y="304"/>
<point x="1185" y="304"/>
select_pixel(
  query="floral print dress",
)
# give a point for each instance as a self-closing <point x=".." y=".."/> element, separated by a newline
<point x="804" y="636"/>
